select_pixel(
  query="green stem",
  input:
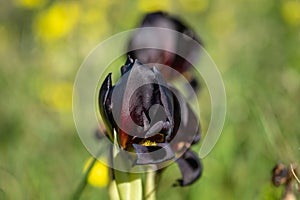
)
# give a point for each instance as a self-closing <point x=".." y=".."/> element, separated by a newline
<point x="129" y="185"/>
<point x="83" y="183"/>
<point x="150" y="186"/>
<point x="113" y="191"/>
<point x="76" y="195"/>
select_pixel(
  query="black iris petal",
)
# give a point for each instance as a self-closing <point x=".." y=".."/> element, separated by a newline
<point x="128" y="66"/>
<point x="186" y="47"/>
<point x="190" y="168"/>
<point x="158" y="109"/>
<point x="153" y="154"/>
<point x="104" y="102"/>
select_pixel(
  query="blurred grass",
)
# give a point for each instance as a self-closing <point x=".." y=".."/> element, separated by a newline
<point x="255" y="45"/>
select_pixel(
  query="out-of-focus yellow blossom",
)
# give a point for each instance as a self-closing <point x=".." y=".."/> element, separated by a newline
<point x="58" y="21"/>
<point x="154" y="5"/>
<point x="291" y="12"/>
<point x="30" y="4"/>
<point x="194" y="5"/>
<point x="58" y="96"/>
<point x="99" y="174"/>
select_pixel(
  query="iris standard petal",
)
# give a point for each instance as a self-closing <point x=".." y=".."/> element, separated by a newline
<point x="152" y="119"/>
<point x="165" y="40"/>
<point x="144" y="103"/>
<point x="187" y="128"/>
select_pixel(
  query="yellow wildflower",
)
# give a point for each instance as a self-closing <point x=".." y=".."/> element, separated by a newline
<point x="291" y="12"/>
<point x="58" y="21"/>
<point x="154" y="5"/>
<point x="99" y="174"/>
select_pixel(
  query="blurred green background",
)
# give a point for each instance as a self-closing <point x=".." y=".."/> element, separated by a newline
<point x="255" y="44"/>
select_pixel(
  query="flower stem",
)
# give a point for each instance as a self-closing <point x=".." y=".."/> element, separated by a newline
<point x="129" y="185"/>
<point x="76" y="195"/>
<point x="83" y="182"/>
<point x="113" y="191"/>
<point x="150" y="186"/>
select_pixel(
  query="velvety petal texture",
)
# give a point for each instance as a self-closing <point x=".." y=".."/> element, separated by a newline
<point x="166" y="40"/>
<point x="151" y="119"/>
<point x="104" y="101"/>
<point x="190" y="168"/>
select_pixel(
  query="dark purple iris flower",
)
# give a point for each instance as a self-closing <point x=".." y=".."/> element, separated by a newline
<point x="151" y="119"/>
<point x="167" y="40"/>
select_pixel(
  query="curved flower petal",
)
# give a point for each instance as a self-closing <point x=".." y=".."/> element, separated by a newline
<point x="104" y="101"/>
<point x="151" y="118"/>
<point x="144" y="102"/>
<point x="190" y="168"/>
<point x="167" y="40"/>
<point x="187" y="127"/>
<point x="153" y="154"/>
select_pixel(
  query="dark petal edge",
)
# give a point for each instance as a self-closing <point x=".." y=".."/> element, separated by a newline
<point x="104" y="103"/>
<point x="128" y="65"/>
<point x="153" y="154"/>
<point x="190" y="168"/>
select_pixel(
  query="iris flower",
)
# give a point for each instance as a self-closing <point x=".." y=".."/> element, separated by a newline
<point x="167" y="40"/>
<point x="149" y="118"/>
